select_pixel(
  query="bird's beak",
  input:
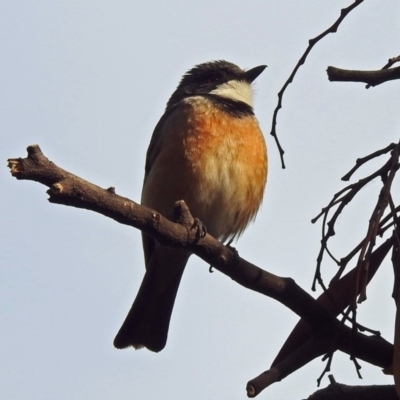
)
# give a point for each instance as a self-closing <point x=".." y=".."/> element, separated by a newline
<point x="253" y="73"/>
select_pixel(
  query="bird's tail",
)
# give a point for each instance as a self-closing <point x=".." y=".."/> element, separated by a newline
<point x="148" y="320"/>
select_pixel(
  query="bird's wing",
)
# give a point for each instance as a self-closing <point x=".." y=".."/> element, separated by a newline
<point x="152" y="153"/>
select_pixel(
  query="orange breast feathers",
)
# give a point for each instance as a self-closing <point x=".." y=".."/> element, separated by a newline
<point x="215" y="161"/>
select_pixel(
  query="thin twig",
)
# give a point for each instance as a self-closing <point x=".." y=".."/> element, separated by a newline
<point x="377" y="215"/>
<point x="363" y="160"/>
<point x="340" y="201"/>
<point x="390" y="62"/>
<point x="329" y="357"/>
<point x="301" y="61"/>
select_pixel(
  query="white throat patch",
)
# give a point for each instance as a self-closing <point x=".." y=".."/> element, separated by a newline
<point x="235" y="90"/>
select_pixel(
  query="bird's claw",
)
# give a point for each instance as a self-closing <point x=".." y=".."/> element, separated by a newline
<point x="201" y="229"/>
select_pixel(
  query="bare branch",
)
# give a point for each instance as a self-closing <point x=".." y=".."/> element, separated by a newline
<point x="313" y="348"/>
<point x="369" y="157"/>
<point x="372" y="78"/>
<point x="337" y="391"/>
<point x="68" y="189"/>
<point x="335" y="299"/>
<point x="344" y="12"/>
<point x="342" y="198"/>
<point x="361" y="345"/>
<point x="391" y="61"/>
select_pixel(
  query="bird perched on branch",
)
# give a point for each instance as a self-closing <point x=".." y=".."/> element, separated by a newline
<point x="208" y="150"/>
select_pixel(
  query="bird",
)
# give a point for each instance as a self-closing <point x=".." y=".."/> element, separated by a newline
<point x="208" y="150"/>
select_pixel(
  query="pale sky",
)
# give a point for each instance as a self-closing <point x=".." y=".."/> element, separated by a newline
<point x="88" y="81"/>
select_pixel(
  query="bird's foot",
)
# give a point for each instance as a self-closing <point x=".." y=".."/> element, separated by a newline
<point x="235" y="253"/>
<point x="201" y="229"/>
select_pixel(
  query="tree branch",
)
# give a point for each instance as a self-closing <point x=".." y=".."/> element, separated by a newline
<point x="311" y="43"/>
<point x="302" y="355"/>
<point x="71" y="190"/>
<point x="372" y="78"/>
<point x="336" y="391"/>
<point x="335" y="299"/>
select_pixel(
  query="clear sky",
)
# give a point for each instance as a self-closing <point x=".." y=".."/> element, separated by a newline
<point x="88" y="81"/>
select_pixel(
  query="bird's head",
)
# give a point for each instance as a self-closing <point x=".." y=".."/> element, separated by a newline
<point x="220" y="78"/>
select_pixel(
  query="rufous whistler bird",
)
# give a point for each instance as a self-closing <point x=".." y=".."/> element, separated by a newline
<point x="208" y="150"/>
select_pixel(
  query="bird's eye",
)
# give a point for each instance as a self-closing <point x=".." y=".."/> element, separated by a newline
<point x="211" y="78"/>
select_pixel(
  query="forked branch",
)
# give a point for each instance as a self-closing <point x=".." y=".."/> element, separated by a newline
<point x="68" y="189"/>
